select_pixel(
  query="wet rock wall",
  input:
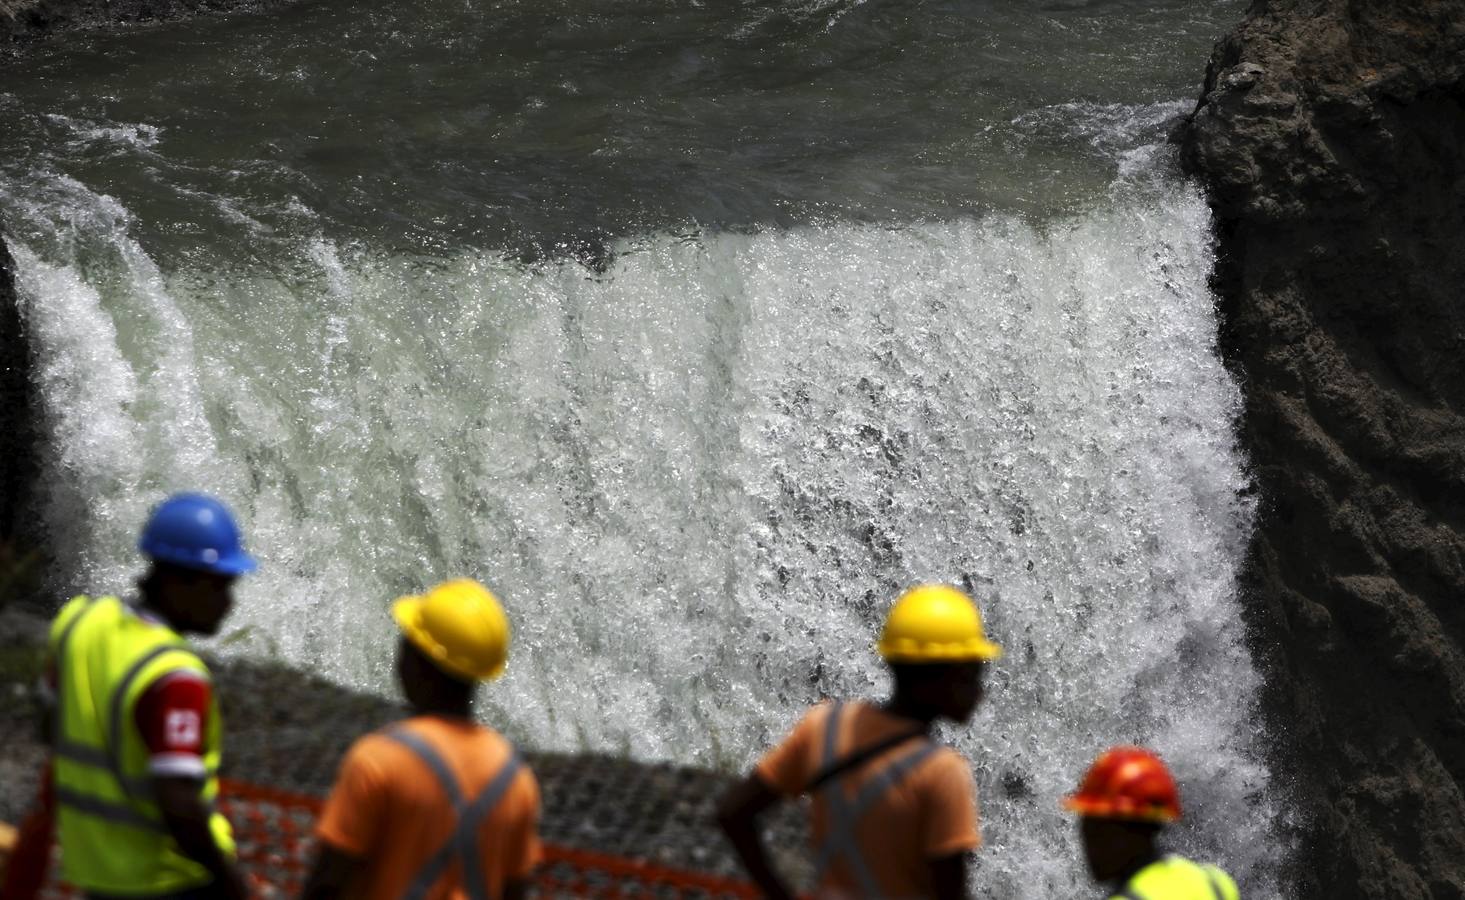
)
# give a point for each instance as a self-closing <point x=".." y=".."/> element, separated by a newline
<point x="1331" y="139"/>
<point x="20" y="540"/>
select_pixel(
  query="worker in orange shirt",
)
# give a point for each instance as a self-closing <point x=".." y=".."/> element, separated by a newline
<point x="893" y="813"/>
<point x="436" y="806"/>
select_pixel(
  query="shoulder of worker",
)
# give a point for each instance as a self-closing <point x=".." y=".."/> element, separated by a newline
<point x="380" y="763"/>
<point x="69" y="613"/>
<point x="496" y="744"/>
<point x="944" y="762"/>
<point x="948" y="774"/>
<point x="1162" y="877"/>
<point x="1225" y="883"/>
<point x="820" y="712"/>
<point x="181" y="658"/>
<point x="813" y="721"/>
<point x="384" y="749"/>
<point x="788" y="765"/>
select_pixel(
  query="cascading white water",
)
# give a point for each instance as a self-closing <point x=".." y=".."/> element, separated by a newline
<point x="698" y="476"/>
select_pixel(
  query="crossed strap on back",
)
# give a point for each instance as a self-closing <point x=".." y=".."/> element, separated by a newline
<point x="1129" y="893"/>
<point x="845" y="814"/>
<point x="463" y="843"/>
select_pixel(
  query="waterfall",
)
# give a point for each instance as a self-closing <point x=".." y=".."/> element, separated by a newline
<point x="699" y="470"/>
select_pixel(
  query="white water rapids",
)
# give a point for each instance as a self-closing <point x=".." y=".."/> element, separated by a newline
<point x="698" y="477"/>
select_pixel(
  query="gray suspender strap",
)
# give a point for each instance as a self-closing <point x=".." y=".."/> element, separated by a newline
<point x="464" y="841"/>
<point x="857" y="759"/>
<point x="1214" y="882"/>
<point x="839" y="843"/>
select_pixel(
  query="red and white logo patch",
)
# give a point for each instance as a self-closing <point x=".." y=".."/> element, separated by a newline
<point x="181" y="729"/>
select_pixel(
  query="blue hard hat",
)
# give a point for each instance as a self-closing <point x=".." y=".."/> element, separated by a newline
<point x="197" y="532"/>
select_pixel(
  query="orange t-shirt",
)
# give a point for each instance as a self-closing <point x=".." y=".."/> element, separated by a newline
<point x="930" y="813"/>
<point x="388" y="809"/>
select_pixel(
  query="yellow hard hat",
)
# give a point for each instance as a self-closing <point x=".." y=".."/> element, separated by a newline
<point x="460" y="626"/>
<point x="935" y="623"/>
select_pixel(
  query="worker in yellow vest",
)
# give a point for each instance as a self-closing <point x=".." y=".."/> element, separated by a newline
<point x="1126" y="800"/>
<point x="893" y="813"/>
<point x="437" y="806"/>
<point x="137" y="736"/>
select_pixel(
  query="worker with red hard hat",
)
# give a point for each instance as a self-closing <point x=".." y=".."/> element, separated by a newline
<point x="1126" y="800"/>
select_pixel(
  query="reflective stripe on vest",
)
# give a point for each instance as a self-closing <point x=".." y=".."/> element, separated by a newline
<point x="839" y="844"/>
<point x="463" y="842"/>
<point x="1214" y="882"/>
<point x="111" y="812"/>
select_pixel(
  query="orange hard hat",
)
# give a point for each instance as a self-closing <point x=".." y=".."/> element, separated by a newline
<point x="1127" y="783"/>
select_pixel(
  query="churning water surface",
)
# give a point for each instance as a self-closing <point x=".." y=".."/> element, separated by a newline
<point x="697" y="330"/>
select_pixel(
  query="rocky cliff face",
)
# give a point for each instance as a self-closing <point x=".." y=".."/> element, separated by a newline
<point x="1331" y="137"/>
<point x="19" y="536"/>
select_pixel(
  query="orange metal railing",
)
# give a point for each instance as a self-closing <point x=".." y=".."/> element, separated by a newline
<point x="273" y="832"/>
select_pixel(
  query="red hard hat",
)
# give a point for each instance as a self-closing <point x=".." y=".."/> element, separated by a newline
<point x="1127" y="783"/>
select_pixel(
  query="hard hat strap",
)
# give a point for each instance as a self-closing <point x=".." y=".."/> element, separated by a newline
<point x="855" y="760"/>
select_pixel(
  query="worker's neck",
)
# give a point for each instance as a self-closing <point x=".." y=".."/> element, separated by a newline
<point x="1141" y="860"/>
<point x="444" y="707"/>
<point x="909" y="707"/>
<point x="151" y="602"/>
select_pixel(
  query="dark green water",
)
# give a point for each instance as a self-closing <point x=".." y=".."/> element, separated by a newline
<point x="530" y="124"/>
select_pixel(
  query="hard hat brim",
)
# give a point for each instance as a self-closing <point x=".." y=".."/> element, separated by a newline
<point x="976" y="650"/>
<point x="238" y="563"/>
<point x="1103" y="808"/>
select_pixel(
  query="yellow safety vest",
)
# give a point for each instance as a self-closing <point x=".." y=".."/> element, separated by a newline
<point x="111" y="832"/>
<point x="1177" y="878"/>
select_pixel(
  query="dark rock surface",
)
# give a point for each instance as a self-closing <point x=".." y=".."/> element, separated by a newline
<point x="1331" y="138"/>
<point x="16" y="439"/>
<point x="20" y="558"/>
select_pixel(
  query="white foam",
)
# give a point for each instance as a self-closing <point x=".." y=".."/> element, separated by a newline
<point x="1129" y="132"/>
<point x="132" y="135"/>
<point x="699" y="477"/>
